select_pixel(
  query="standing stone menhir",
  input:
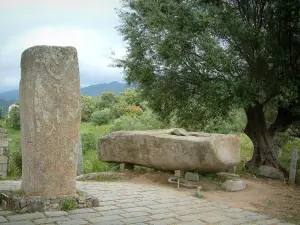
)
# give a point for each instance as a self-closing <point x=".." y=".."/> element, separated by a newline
<point x="50" y="120"/>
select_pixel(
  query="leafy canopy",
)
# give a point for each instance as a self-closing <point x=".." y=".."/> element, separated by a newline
<point x="198" y="59"/>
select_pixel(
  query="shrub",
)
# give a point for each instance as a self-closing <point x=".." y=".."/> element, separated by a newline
<point x="132" y="110"/>
<point x="14" y="117"/>
<point x="118" y="109"/>
<point x="147" y="121"/>
<point x="15" y="159"/>
<point x="101" y="117"/>
<point x="88" y="142"/>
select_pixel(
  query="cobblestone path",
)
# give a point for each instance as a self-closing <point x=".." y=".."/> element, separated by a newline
<point x="125" y="203"/>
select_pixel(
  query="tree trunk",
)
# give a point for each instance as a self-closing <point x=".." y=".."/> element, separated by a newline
<point x="256" y="129"/>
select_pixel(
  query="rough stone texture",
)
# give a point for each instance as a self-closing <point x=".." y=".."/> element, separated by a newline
<point x="179" y="132"/>
<point x="160" y="150"/>
<point x="233" y="185"/>
<point x="270" y="172"/>
<point x="293" y="166"/>
<point x="80" y="158"/>
<point x="179" y="173"/>
<point x="23" y="204"/>
<point x="50" y="119"/>
<point x="223" y="176"/>
<point x="3" y="153"/>
<point x="191" y="176"/>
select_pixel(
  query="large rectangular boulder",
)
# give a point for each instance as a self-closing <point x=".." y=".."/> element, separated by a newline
<point x="168" y="150"/>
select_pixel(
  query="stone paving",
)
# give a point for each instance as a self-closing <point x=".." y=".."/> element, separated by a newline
<point x="125" y="203"/>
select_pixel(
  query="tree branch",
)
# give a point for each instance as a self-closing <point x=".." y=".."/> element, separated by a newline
<point x="283" y="121"/>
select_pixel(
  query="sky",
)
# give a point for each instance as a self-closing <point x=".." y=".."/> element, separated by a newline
<point x="88" y="25"/>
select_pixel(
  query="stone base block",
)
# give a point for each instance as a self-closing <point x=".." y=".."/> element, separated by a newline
<point x="126" y="166"/>
<point x="14" y="201"/>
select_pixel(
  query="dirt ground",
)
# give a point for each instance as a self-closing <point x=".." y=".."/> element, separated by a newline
<point x="269" y="197"/>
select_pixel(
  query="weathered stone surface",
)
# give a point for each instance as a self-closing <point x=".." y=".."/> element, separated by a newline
<point x="223" y="176"/>
<point x="3" y="152"/>
<point x="191" y="176"/>
<point x="233" y="185"/>
<point x="158" y="149"/>
<point x="179" y="132"/>
<point x="270" y="172"/>
<point x="80" y="157"/>
<point x="50" y="119"/>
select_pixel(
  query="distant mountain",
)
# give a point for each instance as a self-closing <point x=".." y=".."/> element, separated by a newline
<point x="5" y="104"/>
<point x="10" y="97"/>
<point x="98" y="89"/>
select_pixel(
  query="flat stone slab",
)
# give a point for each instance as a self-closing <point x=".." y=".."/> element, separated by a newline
<point x="126" y="203"/>
<point x="161" y="149"/>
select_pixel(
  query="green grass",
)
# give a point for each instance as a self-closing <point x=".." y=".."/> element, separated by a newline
<point x="98" y="131"/>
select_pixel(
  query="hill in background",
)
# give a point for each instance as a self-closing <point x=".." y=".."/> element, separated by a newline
<point x="10" y="97"/>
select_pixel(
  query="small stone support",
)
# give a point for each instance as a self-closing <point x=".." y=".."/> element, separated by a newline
<point x="293" y="166"/>
<point x="126" y="166"/>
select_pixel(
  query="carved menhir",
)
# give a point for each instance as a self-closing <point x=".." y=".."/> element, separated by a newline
<point x="50" y="120"/>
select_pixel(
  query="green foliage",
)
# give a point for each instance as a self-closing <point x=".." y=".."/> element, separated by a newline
<point x="286" y="154"/>
<point x="197" y="61"/>
<point x="14" y="117"/>
<point x="15" y="158"/>
<point x="98" y="131"/>
<point x="132" y="110"/>
<point x="147" y="121"/>
<point x="131" y="97"/>
<point x="106" y="100"/>
<point x="68" y="204"/>
<point x="1" y="112"/>
<point x="118" y="109"/>
<point x="88" y="141"/>
<point x="101" y="117"/>
<point x="92" y="164"/>
<point x="87" y="108"/>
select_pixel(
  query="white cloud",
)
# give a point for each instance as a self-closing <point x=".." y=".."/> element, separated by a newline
<point x="89" y="26"/>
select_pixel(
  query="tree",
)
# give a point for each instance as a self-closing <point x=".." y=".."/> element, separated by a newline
<point x="14" y="117"/>
<point x="200" y="59"/>
<point x="87" y="109"/>
<point x="106" y="100"/>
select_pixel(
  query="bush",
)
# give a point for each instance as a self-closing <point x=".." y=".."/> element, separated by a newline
<point x="14" y="117"/>
<point x="15" y="159"/>
<point x="88" y="142"/>
<point x="147" y="121"/>
<point x="101" y="117"/>
<point x="133" y="110"/>
<point x="118" y="109"/>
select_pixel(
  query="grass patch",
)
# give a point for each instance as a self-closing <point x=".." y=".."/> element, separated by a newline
<point x="103" y="178"/>
<point x="92" y="164"/>
<point x="98" y="131"/>
<point x="68" y="204"/>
